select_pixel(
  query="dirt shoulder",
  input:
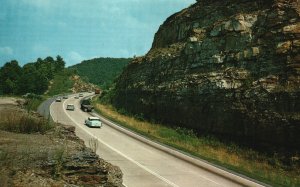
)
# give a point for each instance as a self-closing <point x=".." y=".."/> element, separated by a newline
<point x="11" y="103"/>
<point x="54" y="157"/>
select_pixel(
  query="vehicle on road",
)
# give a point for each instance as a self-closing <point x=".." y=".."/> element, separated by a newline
<point x="93" y="122"/>
<point x="70" y="107"/>
<point x="97" y="91"/>
<point x="65" y="97"/>
<point x="58" y="99"/>
<point x="81" y="95"/>
<point x="86" y="105"/>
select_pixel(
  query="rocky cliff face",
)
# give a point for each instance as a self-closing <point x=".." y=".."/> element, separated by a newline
<point x="231" y="68"/>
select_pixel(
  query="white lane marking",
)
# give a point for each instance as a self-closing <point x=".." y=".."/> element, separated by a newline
<point x="120" y="153"/>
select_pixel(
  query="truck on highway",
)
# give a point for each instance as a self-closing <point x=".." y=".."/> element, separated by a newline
<point x="86" y="105"/>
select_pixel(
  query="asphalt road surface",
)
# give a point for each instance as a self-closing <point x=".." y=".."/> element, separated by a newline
<point x="141" y="164"/>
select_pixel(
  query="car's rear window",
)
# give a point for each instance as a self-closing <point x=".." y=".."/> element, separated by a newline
<point x="86" y="102"/>
<point x="94" y="119"/>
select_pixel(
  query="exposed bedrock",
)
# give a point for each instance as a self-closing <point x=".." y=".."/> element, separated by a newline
<point x="226" y="68"/>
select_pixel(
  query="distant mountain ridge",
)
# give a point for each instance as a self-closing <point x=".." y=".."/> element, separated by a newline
<point x="101" y="71"/>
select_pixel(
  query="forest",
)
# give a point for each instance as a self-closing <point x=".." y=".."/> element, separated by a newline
<point x="31" y="78"/>
<point x="101" y="71"/>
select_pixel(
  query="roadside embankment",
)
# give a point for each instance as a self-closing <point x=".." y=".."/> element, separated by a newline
<point x="247" y="162"/>
<point x="36" y="152"/>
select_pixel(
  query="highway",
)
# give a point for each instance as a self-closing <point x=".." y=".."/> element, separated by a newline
<point x="142" y="164"/>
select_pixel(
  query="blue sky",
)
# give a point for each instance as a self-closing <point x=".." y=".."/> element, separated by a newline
<point x="80" y="29"/>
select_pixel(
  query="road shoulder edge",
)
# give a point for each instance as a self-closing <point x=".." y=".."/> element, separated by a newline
<point x="218" y="170"/>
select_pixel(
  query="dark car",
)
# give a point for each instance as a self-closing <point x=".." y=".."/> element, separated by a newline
<point x="86" y="105"/>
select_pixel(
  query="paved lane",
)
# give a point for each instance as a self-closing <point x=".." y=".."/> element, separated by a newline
<point x="141" y="164"/>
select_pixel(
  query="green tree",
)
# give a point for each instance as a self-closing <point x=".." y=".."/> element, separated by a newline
<point x="9" y="75"/>
<point x="59" y="64"/>
<point x="49" y="62"/>
<point x="9" y="86"/>
<point x="27" y="81"/>
<point x="39" y="62"/>
<point x="32" y="80"/>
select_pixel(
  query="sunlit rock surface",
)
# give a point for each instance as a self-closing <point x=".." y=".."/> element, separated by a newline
<point x="230" y="68"/>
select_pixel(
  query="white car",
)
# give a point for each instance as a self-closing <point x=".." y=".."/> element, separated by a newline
<point x="58" y="99"/>
<point x="70" y="107"/>
<point x="93" y="122"/>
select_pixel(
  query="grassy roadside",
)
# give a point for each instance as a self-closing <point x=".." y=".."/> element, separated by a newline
<point x="61" y="83"/>
<point x="245" y="161"/>
<point x="33" y="104"/>
<point x="19" y="122"/>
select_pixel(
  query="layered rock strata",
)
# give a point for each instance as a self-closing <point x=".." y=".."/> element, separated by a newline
<point x="228" y="68"/>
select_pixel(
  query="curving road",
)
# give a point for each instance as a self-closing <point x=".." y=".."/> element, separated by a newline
<point x="141" y="164"/>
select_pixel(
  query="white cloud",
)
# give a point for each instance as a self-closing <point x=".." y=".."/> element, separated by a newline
<point x="41" y="49"/>
<point x="73" y="58"/>
<point x="6" y="51"/>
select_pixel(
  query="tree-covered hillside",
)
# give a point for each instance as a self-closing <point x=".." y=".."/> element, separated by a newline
<point x="31" y="78"/>
<point x="101" y="71"/>
<point x="49" y="76"/>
